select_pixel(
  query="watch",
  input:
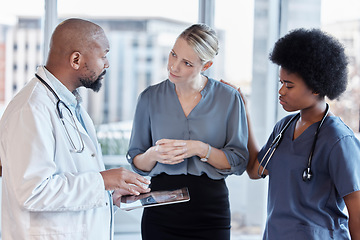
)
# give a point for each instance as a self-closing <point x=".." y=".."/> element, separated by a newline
<point x="205" y="159"/>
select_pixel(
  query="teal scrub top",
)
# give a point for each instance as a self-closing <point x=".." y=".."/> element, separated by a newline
<point x="313" y="209"/>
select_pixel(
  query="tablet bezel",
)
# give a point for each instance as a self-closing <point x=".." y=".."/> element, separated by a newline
<point x="130" y="202"/>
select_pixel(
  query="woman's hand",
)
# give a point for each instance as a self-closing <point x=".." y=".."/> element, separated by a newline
<point x="165" y="151"/>
<point x="172" y="151"/>
<point x="237" y="89"/>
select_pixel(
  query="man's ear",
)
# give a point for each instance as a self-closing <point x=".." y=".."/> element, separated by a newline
<point x="206" y="66"/>
<point x="75" y="60"/>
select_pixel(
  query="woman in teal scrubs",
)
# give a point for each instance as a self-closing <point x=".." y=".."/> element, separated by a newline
<point x="308" y="192"/>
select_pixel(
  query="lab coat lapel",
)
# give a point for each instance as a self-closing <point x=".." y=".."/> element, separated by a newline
<point x="87" y="134"/>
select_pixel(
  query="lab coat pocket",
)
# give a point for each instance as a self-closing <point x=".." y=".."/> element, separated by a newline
<point x="70" y="232"/>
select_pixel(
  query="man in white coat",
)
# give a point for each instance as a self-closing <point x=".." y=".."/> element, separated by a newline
<point x="55" y="185"/>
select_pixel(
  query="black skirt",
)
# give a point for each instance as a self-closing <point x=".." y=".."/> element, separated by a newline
<point x="206" y="216"/>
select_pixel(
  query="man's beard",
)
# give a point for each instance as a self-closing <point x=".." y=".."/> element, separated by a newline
<point x="96" y="85"/>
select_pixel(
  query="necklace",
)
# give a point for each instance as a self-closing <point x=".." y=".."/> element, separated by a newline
<point x="188" y="104"/>
<point x="196" y="92"/>
<point x="199" y="91"/>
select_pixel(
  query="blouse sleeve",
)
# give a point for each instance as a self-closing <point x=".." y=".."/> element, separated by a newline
<point x="141" y="138"/>
<point x="235" y="148"/>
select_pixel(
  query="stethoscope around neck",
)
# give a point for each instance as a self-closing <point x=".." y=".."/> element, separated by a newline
<point x="307" y="173"/>
<point x="60" y="103"/>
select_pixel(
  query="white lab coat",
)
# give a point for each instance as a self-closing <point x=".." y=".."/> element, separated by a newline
<point x="49" y="192"/>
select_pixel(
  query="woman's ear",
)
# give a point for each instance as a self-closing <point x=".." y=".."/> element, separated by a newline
<point x="318" y="95"/>
<point x="75" y="60"/>
<point x="206" y="66"/>
<point x="315" y="92"/>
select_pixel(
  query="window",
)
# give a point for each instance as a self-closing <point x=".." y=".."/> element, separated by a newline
<point x="140" y="39"/>
<point x="345" y="25"/>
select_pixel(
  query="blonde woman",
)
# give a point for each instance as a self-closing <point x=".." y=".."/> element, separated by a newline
<point x="190" y="131"/>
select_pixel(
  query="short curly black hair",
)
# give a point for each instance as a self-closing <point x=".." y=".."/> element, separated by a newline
<point x="317" y="57"/>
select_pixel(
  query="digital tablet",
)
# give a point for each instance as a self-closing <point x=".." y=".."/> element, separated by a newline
<point x="155" y="198"/>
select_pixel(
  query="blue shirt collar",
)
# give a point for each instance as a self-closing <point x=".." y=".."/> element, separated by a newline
<point x="69" y="98"/>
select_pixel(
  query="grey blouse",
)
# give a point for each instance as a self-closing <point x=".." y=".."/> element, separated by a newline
<point x="219" y="119"/>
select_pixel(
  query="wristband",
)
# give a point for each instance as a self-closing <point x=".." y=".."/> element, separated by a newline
<point x="205" y="159"/>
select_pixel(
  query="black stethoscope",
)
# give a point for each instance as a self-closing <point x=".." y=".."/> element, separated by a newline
<point x="61" y="116"/>
<point x="307" y="174"/>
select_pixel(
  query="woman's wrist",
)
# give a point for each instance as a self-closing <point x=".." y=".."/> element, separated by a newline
<point x="202" y="149"/>
<point x="152" y="154"/>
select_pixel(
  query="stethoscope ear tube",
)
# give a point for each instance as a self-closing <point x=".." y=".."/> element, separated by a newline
<point x="275" y="143"/>
<point x="58" y="103"/>
<point x="262" y="175"/>
<point x="47" y="86"/>
<point x="307" y="173"/>
<point x="59" y="110"/>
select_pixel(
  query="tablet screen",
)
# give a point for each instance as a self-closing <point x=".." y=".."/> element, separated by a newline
<point x="155" y="198"/>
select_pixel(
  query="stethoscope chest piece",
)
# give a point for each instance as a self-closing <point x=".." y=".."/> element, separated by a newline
<point x="307" y="175"/>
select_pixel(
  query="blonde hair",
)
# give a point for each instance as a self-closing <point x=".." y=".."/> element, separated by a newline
<point x="203" y="40"/>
